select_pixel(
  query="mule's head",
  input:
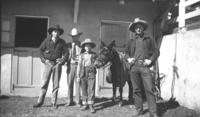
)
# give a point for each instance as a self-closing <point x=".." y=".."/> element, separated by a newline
<point x="105" y="54"/>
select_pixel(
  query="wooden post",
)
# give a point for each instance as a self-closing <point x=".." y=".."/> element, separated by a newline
<point x="181" y="14"/>
<point x="76" y="10"/>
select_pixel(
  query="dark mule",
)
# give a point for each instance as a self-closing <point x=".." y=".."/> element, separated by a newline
<point x="119" y="71"/>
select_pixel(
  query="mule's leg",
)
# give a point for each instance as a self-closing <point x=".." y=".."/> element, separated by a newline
<point x="114" y="93"/>
<point x="130" y="92"/>
<point x="121" y="99"/>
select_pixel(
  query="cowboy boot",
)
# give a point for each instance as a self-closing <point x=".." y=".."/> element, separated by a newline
<point x="92" y="110"/>
<point x="85" y="107"/>
<point x="37" y="105"/>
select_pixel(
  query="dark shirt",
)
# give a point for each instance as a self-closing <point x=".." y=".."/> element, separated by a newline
<point x="142" y="47"/>
<point x="139" y="49"/>
<point x="52" y="50"/>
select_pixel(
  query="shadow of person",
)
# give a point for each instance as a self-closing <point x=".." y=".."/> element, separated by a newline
<point x="63" y="104"/>
<point x="102" y="103"/>
<point x="4" y="97"/>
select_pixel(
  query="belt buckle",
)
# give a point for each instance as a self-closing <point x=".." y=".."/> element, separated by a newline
<point x="140" y="62"/>
<point x="75" y="63"/>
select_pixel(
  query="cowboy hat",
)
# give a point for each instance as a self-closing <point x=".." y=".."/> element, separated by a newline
<point x="88" y="41"/>
<point x="74" y="32"/>
<point x="56" y="27"/>
<point x="136" y="22"/>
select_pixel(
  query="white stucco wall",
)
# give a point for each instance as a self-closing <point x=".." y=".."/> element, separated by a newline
<point x="6" y="71"/>
<point x="186" y="89"/>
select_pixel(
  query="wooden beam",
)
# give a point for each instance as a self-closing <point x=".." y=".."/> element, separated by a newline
<point x="190" y="2"/>
<point x="76" y="10"/>
<point x="189" y="15"/>
<point x="181" y="18"/>
<point x="192" y="14"/>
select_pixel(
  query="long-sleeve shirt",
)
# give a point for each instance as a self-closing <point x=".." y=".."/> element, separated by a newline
<point x="142" y="47"/>
<point x="51" y="50"/>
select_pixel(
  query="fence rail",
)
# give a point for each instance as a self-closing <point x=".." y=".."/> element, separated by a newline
<point x="183" y="15"/>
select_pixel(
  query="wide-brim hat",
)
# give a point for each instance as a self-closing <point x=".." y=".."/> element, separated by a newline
<point x="57" y="28"/>
<point x="136" y="22"/>
<point x="75" y="32"/>
<point x="88" y="41"/>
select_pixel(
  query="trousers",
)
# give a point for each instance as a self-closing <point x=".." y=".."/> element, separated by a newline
<point x="55" y="71"/>
<point x="141" y="75"/>
<point x="73" y="80"/>
<point x="88" y="86"/>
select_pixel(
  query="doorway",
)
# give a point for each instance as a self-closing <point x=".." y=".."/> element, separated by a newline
<point x="109" y="31"/>
<point x="30" y="31"/>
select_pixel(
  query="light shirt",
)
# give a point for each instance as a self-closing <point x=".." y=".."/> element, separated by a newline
<point x="87" y="59"/>
<point x="78" y="51"/>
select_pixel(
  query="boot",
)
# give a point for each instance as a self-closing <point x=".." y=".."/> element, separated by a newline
<point x="138" y="111"/>
<point x="153" y="114"/>
<point x="71" y="103"/>
<point x="92" y="110"/>
<point x="85" y="107"/>
<point x="78" y="105"/>
<point x="37" y="105"/>
<point x="55" y="106"/>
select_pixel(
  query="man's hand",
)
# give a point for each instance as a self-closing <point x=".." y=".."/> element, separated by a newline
<point x="78" y="79"/>
<point x="147" y="62"/>
<point x="131" y="60"/>
<point x="59" y="60"/>
<point x="43" y="60"/>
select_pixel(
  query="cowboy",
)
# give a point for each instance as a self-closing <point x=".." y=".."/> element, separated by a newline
<point x="74" y="52"/>
<point x="53" y="53"/>
<point x="141" y="53"/>
<point x="86" y="73"/>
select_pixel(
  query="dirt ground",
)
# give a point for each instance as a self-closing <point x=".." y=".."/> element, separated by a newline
<point x="22" y="107"/>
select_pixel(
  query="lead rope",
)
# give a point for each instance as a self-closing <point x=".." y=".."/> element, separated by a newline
<point x="175" y="70"/>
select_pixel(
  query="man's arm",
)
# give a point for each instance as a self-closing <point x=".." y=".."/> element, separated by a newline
<point x="127" y="50"/>
<point x="42" y="49"/>
<point x="66" y="51"/>
<point x="155" y="51"/>
<point x="65" y="54"/>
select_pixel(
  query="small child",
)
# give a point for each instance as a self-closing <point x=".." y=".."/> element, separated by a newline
<point x="86" y="73"/>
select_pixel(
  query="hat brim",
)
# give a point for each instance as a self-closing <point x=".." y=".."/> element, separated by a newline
<point x="50" y="30"/>
<point x="132" y="26"/>
<point x="93" y="45"/>
<point x="80" y="33"/>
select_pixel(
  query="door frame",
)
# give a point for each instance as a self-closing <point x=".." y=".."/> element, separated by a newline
<point x="98" y="87"/>
<point x="21" y="48"/>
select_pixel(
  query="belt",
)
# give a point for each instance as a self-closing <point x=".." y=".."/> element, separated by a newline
<point x="90" y="69"/>
<point x="74" y="63"/>
<point x="139" y="62"/>
<point x="53" y="62"/>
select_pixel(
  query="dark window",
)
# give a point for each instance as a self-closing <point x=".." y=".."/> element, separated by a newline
<point x="30" y="31"/>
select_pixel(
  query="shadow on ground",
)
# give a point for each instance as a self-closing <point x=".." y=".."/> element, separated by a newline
<point x="166" y="105"/>
<point x="3" y="97"/>
<point x="22" y="106"/>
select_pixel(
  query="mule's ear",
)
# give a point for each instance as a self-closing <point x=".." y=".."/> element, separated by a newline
<point x="102" y="44"/>
<point x="112" y="44"/>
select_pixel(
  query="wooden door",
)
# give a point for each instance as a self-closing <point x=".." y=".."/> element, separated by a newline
<point x="27" y="71"/>
<point x="27" y="68"/>
<point x="118" y="31"/>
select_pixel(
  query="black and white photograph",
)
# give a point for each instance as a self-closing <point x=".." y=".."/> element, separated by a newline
<point x="100" y="58"/>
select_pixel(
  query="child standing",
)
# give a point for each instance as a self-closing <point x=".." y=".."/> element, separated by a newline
<point x="86" y="73"/>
